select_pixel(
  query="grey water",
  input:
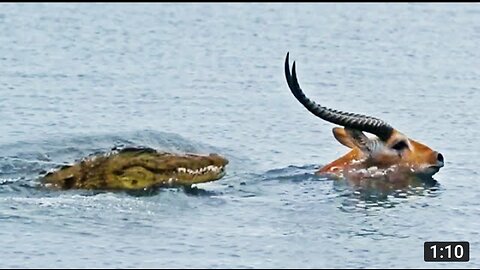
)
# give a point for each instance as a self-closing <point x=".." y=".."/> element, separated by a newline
<point x="78" y="79"/>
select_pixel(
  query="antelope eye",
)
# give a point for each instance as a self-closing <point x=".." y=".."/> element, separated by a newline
<point x="399" y="146"/>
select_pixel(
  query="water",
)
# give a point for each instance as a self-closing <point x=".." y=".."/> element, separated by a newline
<point x="81" y="78"/>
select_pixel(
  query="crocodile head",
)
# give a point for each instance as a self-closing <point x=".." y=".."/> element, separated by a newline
<point x="138" y="168"/>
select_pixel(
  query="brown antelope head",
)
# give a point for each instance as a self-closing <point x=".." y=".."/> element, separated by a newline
<point x="389" y="151"/>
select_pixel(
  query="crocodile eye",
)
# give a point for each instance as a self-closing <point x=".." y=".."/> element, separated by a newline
<point x="399" y="146"/>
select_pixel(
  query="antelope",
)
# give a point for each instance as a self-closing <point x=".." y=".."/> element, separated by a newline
<point x="388" y="155"/>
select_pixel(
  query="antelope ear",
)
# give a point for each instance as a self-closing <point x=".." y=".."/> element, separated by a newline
<point x="342" y="137"/>
<point x="359" y="139"/>
<point x="353" y="138"/>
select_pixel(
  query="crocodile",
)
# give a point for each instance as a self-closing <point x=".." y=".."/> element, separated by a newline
<point x="136" y="168"/>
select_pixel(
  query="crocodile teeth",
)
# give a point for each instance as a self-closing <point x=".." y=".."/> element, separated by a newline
<point x="209" y="168"/>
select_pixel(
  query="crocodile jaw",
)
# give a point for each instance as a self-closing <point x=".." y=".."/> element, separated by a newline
<point x="138" y="177"/>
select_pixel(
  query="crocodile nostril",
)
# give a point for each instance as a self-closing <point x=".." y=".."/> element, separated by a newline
<point x="440" y="157"/>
